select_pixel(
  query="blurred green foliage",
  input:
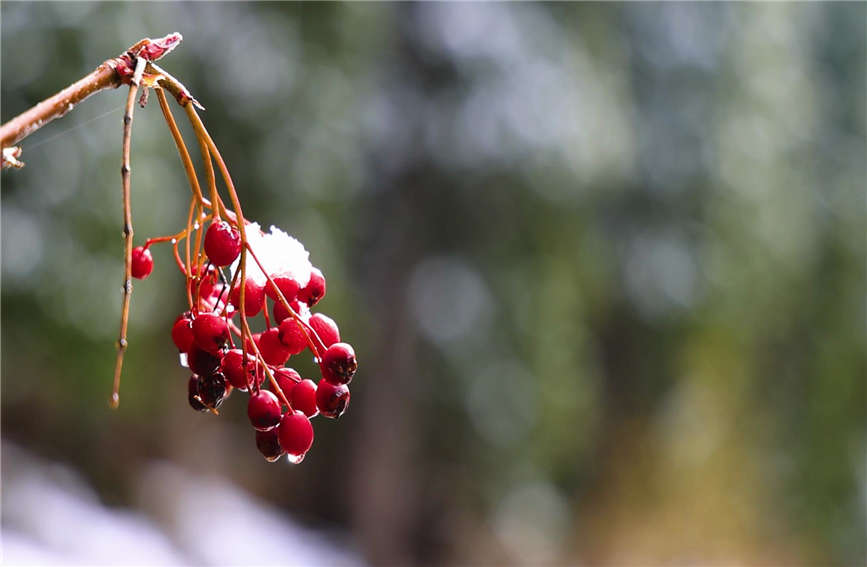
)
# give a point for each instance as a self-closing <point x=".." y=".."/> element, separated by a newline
<point x="603" y="265"/>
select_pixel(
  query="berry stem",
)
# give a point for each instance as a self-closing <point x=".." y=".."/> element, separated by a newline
<point x="178" y="260"/>
<point x="212" y="182"/>
<point x="125" y="172"/>
<point x="182" y="148"/>
<point x="205" y="139"/>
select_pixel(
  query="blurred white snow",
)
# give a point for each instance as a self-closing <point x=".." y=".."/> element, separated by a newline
<point x="50" y="516"/>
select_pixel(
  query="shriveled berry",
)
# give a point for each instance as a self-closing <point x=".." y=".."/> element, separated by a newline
<point x="339" y="364"/>
<point x="292" y="336"/>
<point x="287" y="285"/>
<point x="211" y="332"/>
<point x="303" y="397"/>
<point x="263" y="409"/>
<point x="222" y="243"/>
<point x="268" y="444"/>
<point x="272" y="350"/>
<point x="142" y="262"/>
<point x="286" y="378"/>
<point x="193" y="394"/>
<point x="233" y="368"/>
<point x="331" y="399"/>
<point x="281" y="313"/>
<point x="212" y="389"/>
<point x="182" y="332"/>
<point x="326" y="328"/>
<point x="314" y="290"/>
<point x="201" y="362"/>
<point x="254" y="297"/>
<point x="295" y="433"/>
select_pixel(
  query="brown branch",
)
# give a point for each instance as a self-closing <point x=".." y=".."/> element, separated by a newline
<point x="125" y="172"/>
<point x="104" y="77"/>
<point x="109" y="75"/>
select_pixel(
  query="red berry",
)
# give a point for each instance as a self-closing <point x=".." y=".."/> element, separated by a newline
<point x="303" y="397"/>
<point x="233" y="368"/>
<point x="326" y="328"/>
<point x="201" y="362"/>
<point x="193" y="394"/>
<point x="263" y="409"/>
<point x="286" y="379"/>
<point x="211" y="332"/>
<point x="287" y="285"/>
<point x="332" y="399"/>
<point x="295" y="433"/>
<point x="204" y="283"/>
<point x="272" y="350"/>
<point x="222" y="243"/>
<point x="314" y="290"/>
<point x="281" y="313"/>
<point x="292" y="336"/>
<point x="268" y="444"/>
<point x="256" y="339"/>
<point x="339" y="364"/>
<point x="254" y="297"/>
<point x="212" y="390"/>
<point x="142" y="262"/>
<point x="182" y="332"/>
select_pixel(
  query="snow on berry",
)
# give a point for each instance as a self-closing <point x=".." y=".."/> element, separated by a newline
<point x="280" y="254"/>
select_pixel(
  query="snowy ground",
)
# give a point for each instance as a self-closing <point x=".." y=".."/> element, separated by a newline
<point x="51" y="517"/>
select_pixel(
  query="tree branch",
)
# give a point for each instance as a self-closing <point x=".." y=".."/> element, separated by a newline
<point x="109" y="75"/>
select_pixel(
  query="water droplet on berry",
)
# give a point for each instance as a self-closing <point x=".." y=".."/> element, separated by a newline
<point x="295" y="459"/>
<point x="182" y="360"/>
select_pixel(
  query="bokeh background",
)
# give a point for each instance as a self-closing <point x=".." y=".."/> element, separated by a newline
<point x="603" y="264"/>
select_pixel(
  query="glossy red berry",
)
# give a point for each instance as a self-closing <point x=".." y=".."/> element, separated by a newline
<point x="201" y="362"/>
<point x="268" y="444"/>
<point x="286" y="379"/>
<point x="339" y="364"/>
<point x="254" y="297"/>
<point x="233" y="368"/>
<point x="142" y="262"/>
<point x="281" y="313"/>
<point x="314" y="290"/>
<point x="212" y="390"/>
<point x="295" y="433"/>
<point x="222" y="243"/>
<point x="211" y="332"/>
<point x="182" y="332"/>
<point x="273" y="351"/>
<point x="204" y="284"/>
<point x="292" y="336"/>
<point x="303" y="397"/>
<point x="193" y="394"/>
<point x="332" y="399"/>
<point x="263" y="409"/>
<point x="256" y="339"/>
<point x="325" y="328"/>
<point x="287" y="285"/>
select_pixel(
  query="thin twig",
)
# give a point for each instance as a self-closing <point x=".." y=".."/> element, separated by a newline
<point x="127" y="229"/>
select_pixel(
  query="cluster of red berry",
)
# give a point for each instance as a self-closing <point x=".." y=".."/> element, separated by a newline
<point x="206" y="334"/>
